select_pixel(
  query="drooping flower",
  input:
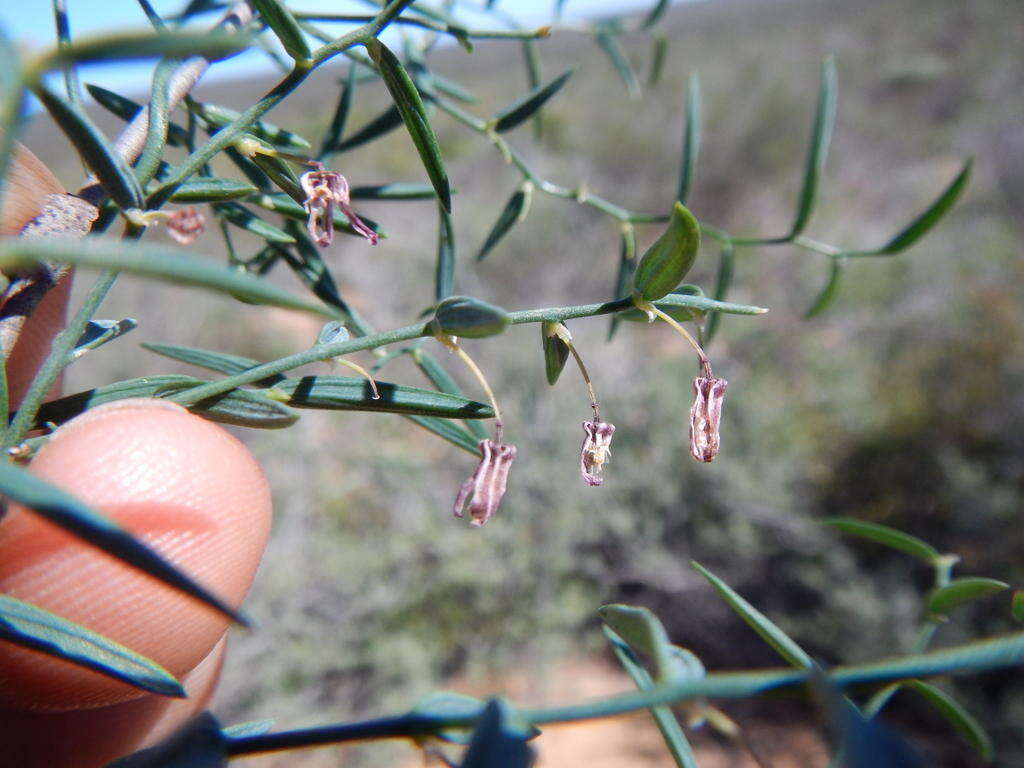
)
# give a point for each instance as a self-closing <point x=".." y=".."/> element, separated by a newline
<point x="595" y="450"/>
<point x="705" y="415"/>
<point x="484" y="489"/>
<point x="324" y="190"/>
<point x="185" y="225"/>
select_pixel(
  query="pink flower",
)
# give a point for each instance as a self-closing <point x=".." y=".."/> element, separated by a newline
<point x="324" y="190"/>
<point x="486" y="486"/>
<point x="185" y="225"/>
<point x="705" y="415"/>
<point x="595" y="450"/>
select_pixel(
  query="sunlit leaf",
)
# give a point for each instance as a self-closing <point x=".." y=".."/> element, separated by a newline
<point x="515" y="211"/>
<point x="444" y="272"/>
<point x="284" y="25"/>
<point x="665" y="264"/>
<point x="526" y="107"/>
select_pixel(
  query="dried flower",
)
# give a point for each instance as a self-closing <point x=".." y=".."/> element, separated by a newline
<point x="324" y="190"/>
<point x="595" y="450"/>
<point x="484" y="489"/>
<point x="705" y="415"/>
<point x="185" y="225"/>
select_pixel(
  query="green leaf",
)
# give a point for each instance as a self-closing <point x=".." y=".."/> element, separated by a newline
<point x="245" y="219"/>
<point x="442" y="380"/>
<point x="670" y="257"/>
<point x="211" y="190"/>
<point x="99" y="332"/>
<point x="332" y="138"/>
<point x="624" y="275"/>
<point x="114" y="175"/>
<point x="926" y="220"/>
<point x="201" y="743"/>
<point x="609" y="43"/>
<point x="238" y="407"/>
<point x="556" y="352"/>
<point x="655" y="14"/>
<point x="821" y="136"/>
<point x="445" y="705"/>
<point x="691" y="138"/>
<point x="765" y="627"/>
<point x="217" y="117"/>
<point x="726" y="264"/>
<point x="831" y="290"/>
<point x="384" y="123"/>
<point x="450" y="431"/>
<point x="524" y="108"/>
<point x="880" y="698"/>
<point x="31" y="627"/>
<point x="444" y="272"/>
<point x="144" y="45"/>
<point x="643" y="632"/>
<point x="514" y="212"/>
<point x="1017" y="606"/>
<point x="960" y="591"/>
<point x="499" y="739"/>
<point x="414" y="115"/>
<point x="126" y="109"/>
<point x="659" y="51"/>
<point x="664" y="718"/>
<point x="343" y="393"/>
<point x="64" y="510"/>
<point x="886" y="536"/>
<point x="531" y="57"/>
<point x="168" y="264"/>
<point x="962" y="720"/>
<point x="284" y="25"/>
<point x="213" y="361"/>
<point x="469" y="317"/>
<point x="397" y="191"/>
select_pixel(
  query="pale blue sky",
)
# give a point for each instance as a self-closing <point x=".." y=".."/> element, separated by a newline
<point x="32" y="23"/>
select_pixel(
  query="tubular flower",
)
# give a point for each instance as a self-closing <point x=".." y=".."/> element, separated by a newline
<point x="185" y="225"/>
<point x="705" y="415"/>
<point x="324" y="190"/>
<point x="484" y="489"/>
<point x="595" y="450"/>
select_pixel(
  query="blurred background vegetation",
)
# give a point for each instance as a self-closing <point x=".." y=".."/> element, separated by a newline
<point x="903" y="404"/>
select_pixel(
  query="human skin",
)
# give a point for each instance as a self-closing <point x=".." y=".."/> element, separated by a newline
<point x="184" y="486"/>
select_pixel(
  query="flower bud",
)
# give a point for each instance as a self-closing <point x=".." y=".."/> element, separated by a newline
<point x="705" y="416"/>
<point x="185" y="225"/>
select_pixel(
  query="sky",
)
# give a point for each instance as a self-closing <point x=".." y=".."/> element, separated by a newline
<point x="32" y="23"/>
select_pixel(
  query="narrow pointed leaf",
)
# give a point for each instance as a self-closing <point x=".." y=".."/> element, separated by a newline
<point x="1017" y="606"/>
<point x="284" y="25"/>
<point x="64" y="510"/>
<point x="31" y="627"/>
<point x="238" y="407"/>
<point x="927" y="219"/>
<point x="384" y="123"/>
<point x="217" y="116"/>
<point x="655" y="14"/>
<point x="962" y="720"/>
<point x="726" y="265"/>
<point x="200" y="743"/>
<point x="675" y="739"/>
<point x="211" y="190"/>
<point x="609" y="43"/>
<point x="116" y="177"/>
<point x="668" y="260"/>
<point x="526" y="107"/>
<point x="440" y="378"/>
<point x="831" y="290"/>
<point x="624" y="274"/>
<point x="251" y="728"/>
<point x="555" y="351"/>
<point x="659" y="51"/>
<point x="817" y="152"/>
<point x="444" y="271"/>
<point x="515" y="210"/>
<point x="397" y="191"/>
<point x="99" y="332"/>
<point x="145" y="45"/>
<point x="691" y="139"/>
<point x="765" y="627"/>
<point x="245" y="219"/>
<point x="450" y="431"/>
<point x="212" y="361"/>
<point x="343" y="393"/>
<point x="414" y="115"/>
<point x="168" y="264"/>
<point x="886" y="536"/>
<point x="332" y="139"/>
<point x="643" y="632"/>
<point x="531" y="56"/>
<point x="961" y="591"/>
